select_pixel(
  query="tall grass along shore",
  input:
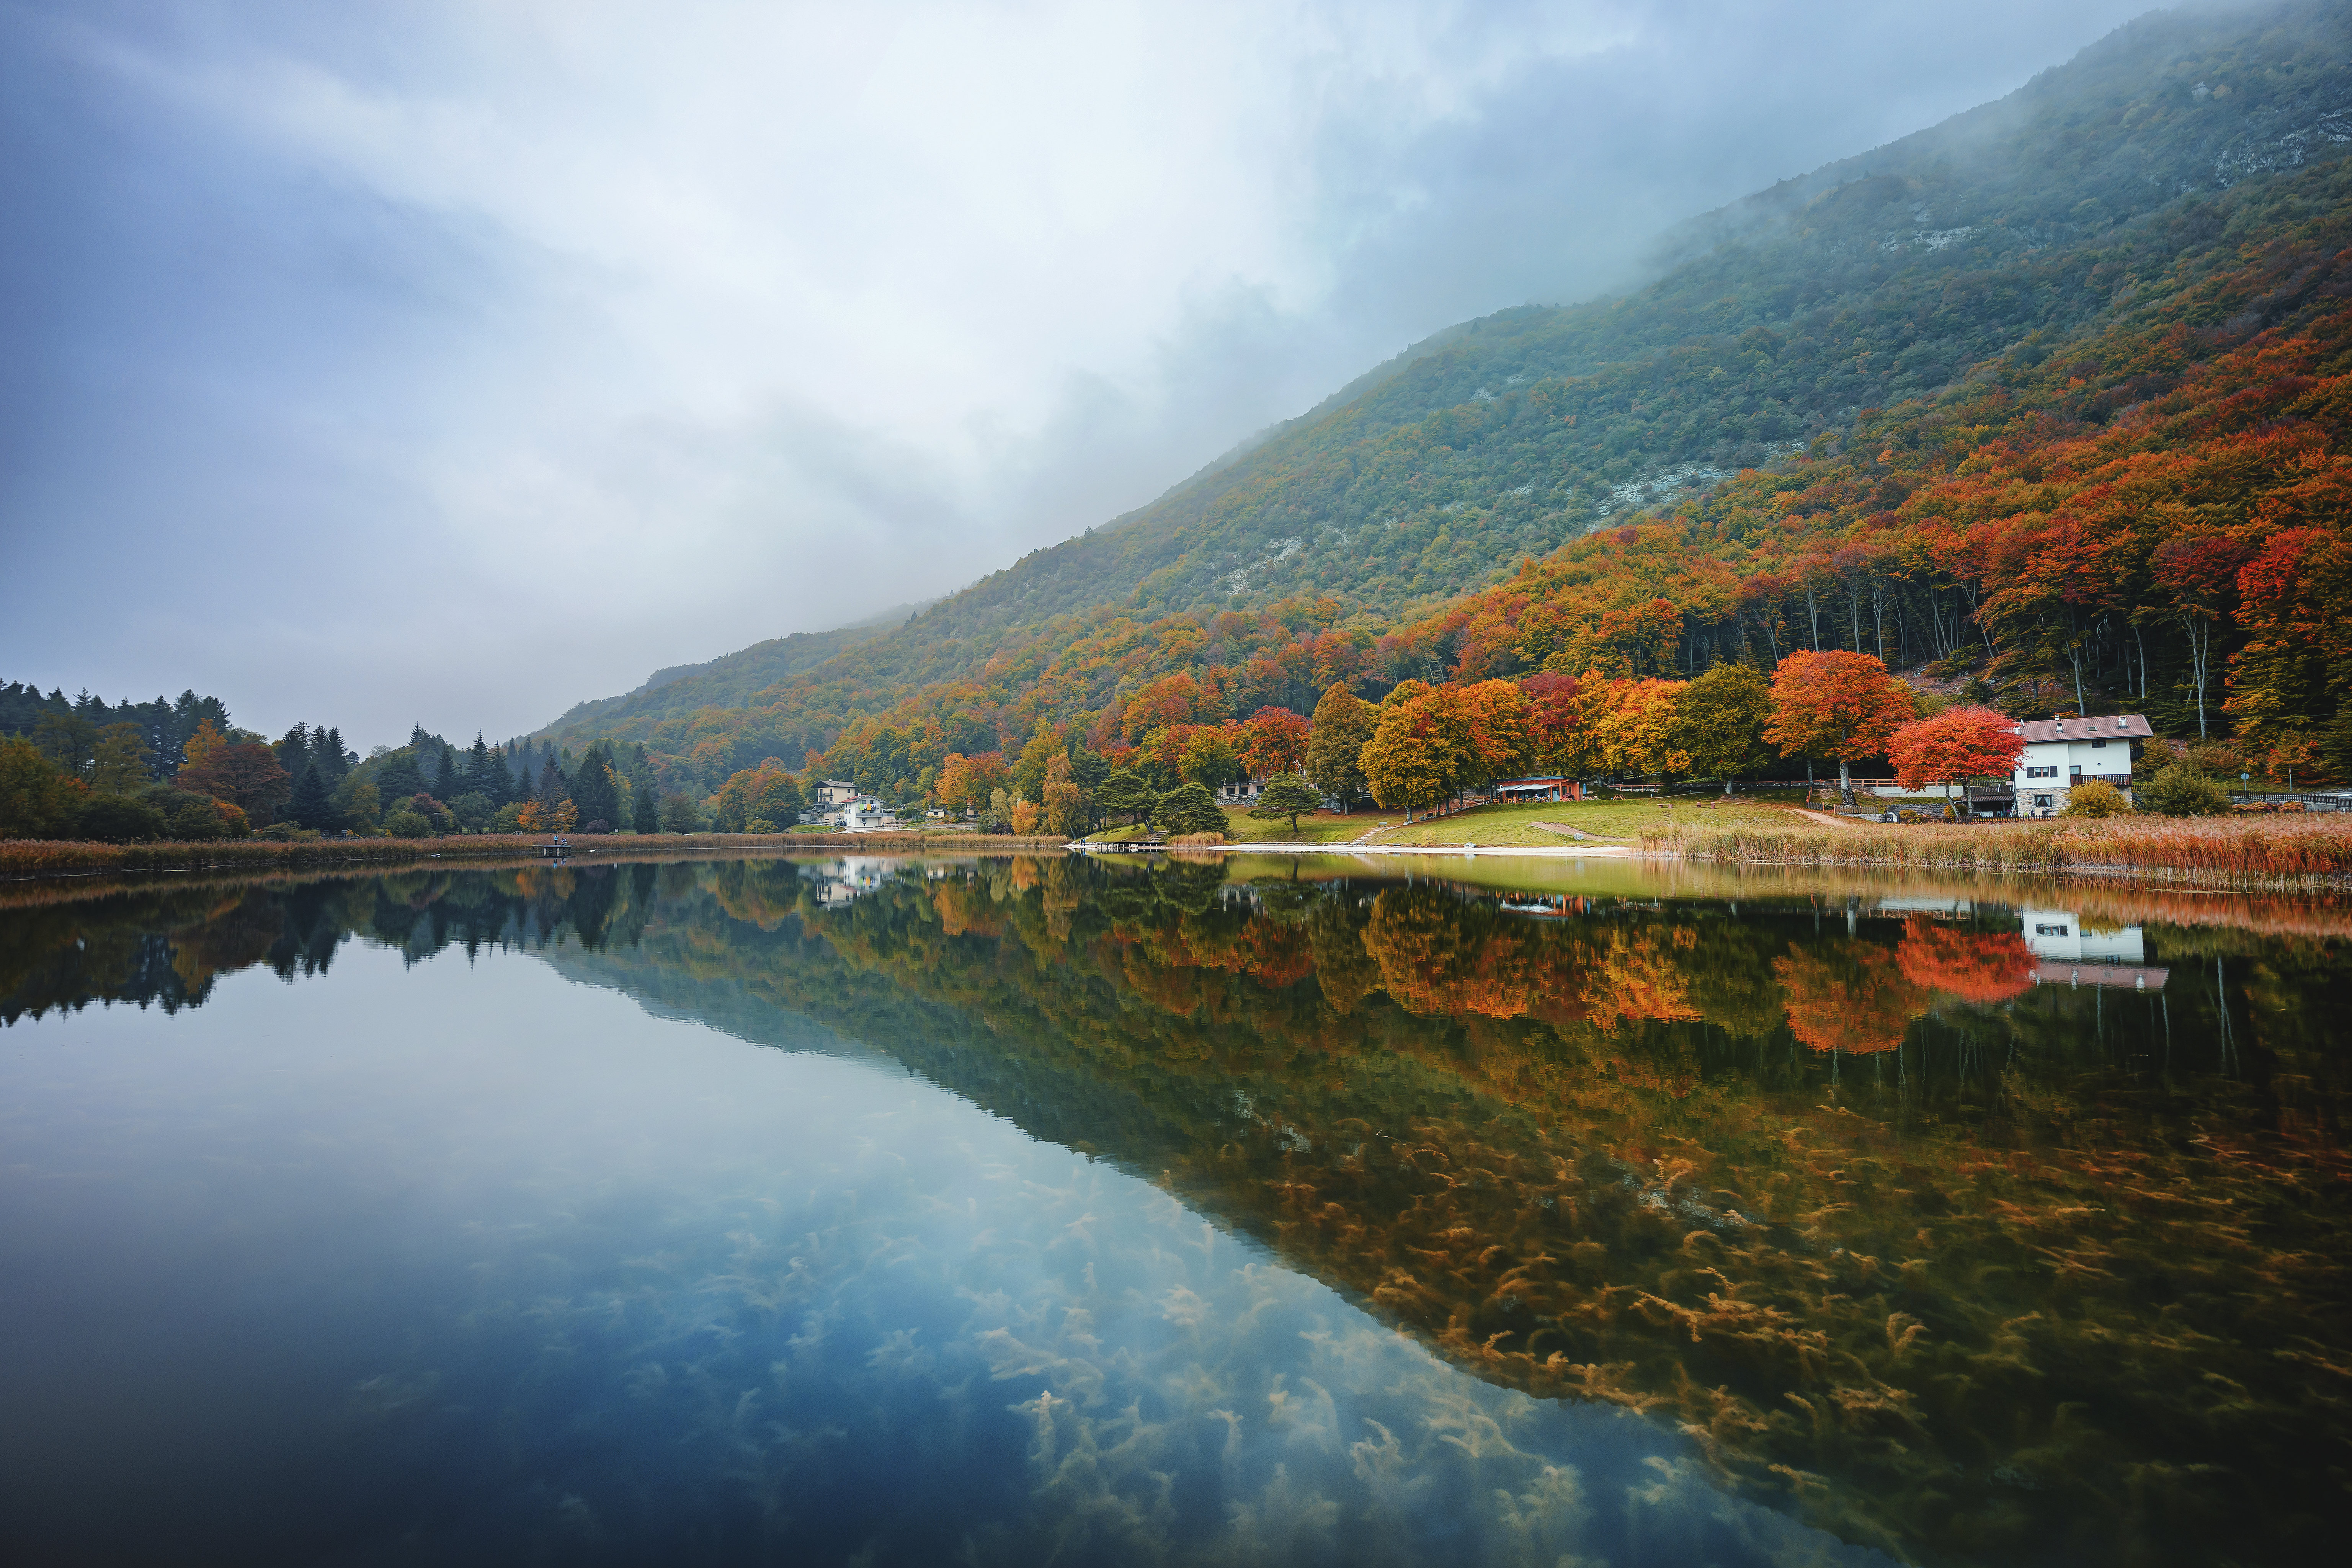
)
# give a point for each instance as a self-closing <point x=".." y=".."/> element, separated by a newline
<point x="2273" y="852"/>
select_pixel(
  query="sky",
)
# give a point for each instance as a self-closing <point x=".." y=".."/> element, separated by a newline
<point x="455" y="360"/>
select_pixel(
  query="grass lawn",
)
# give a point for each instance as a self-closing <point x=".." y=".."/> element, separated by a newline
<point x="1607" y="821"/>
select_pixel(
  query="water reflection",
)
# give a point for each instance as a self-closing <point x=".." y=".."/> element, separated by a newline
<point x="1968" y="1231"/>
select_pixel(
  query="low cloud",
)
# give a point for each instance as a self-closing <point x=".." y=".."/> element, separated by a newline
<point x="457" y="362"/>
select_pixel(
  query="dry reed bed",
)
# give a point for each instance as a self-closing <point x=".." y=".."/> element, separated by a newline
<point x="2271" y="852"/>
<point x="23" y="858"/>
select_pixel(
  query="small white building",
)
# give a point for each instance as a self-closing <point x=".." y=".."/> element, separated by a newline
<point x="2063" y="752"/>
<point x="860" y="816"/>
<point x="1240" y="793"/>
<point x="1536" y="788"/>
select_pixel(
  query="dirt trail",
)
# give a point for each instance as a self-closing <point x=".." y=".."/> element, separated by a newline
<point x="1822" y="817"/>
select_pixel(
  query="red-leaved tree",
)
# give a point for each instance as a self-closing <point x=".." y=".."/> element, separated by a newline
<point x="1954" y="747"/>
<point x="1837" y="705"/>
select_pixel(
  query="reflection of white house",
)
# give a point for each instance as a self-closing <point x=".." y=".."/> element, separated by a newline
<point x="2066" y="954"/>
<point x="843" y="881"/>
<point x="2063" y="752"/>
<point x="1538" y="787"/>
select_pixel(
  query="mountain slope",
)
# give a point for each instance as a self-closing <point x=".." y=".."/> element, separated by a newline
<point x="727" y="681"/>
<point x="2007" y="231"/>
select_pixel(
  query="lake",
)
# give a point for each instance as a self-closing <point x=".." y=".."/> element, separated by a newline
<point x="1252" y="1209"/>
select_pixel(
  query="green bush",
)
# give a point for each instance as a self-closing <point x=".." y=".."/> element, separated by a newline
<point x="405" y="823"/>
<point x="118" y="820"/>
<point x="2180" y="790"/>
<point x="2096" y="798"/>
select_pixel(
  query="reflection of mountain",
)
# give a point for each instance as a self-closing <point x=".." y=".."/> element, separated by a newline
<point x="1945" y="1258"/>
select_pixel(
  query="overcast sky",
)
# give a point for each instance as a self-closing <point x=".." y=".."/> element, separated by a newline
<point x="368" y="363"/>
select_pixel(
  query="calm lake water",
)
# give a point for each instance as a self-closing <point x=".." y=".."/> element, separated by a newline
<point x="1256" y="1211"/>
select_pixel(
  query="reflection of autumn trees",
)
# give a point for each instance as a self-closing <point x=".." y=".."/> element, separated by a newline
<point x="1598" y="1157"/>
<point x="1982" y="967"/>
<point x="1853" y="998"/>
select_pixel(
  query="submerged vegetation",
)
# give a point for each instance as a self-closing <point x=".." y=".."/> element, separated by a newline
<point x="1944" y="1256"/>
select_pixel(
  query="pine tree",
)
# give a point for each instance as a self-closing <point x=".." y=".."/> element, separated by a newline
<point x="646" y="813"/>
<point x="1288" y="795"/>
<point x="1189" y="808"/>
<point x="444" y="775"/>
<point x="333" y="763"/>
<point x="312" y="807"/>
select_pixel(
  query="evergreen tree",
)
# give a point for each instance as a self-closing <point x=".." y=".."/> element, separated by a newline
<point x="444" y="775"/>
<point x="293" y="750"/>
<point x="594" y="790"/>
<point x="1125" y="794"/>
<point x="312" y="805"/>
<point x="1288" y="795"/>
<point x="552" y="786"/>
<point x="327" y="752"/>
<point x="498" y="780"/>
<point x="1189" y="808"/>
<point x="645" y="813"/>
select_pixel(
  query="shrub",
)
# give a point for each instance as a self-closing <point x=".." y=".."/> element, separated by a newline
<point x="406" y="824"/>
<point x="679" y="814"/>
<point x="1196" y="840"/>
<point x="2096" y="798"/>
<point x="194" y="816"/>
<point x="279" y="832"/>
<point x="118" y="819"/>
<point x="2180" y="790"/>
<point x="597" y="825"/>
<point x="473" y="811"/>
<point x="36" y="801"/>
<point x="508" y="818"/>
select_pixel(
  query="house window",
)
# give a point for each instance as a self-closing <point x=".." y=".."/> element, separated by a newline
<point x="2041" y="802"/>
<point x="2049" y="931"/>
<point x="2041" y="773"/>
<point x="2096" y="744"/>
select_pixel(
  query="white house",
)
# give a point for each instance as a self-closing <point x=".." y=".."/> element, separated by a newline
<point x="2063" y="752"/>
<point x="861" y="815"/>
<point x="835" y="792"/>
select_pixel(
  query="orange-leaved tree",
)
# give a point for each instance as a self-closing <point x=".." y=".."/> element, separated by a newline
<point x="1416" y="754"/>
<point x="1836" y="705"/>
<point x="1277" y="743"/>
<point x="1954" y="747"/>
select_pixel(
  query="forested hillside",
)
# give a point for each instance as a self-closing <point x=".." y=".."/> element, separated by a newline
<point x="730" y="681"/>
<point x="1773" y="441"/>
